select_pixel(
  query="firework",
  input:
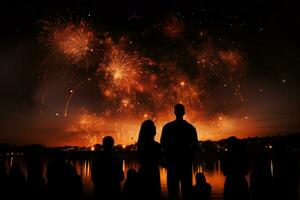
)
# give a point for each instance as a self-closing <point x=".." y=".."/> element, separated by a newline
<point x="207" y="59"/>
<point x="123" y="71"/>
<point x="180" y="90"/>
<point x="90" y="140"/>
<point x="70" y="95"/>
<point x="120" y="77"/>
<point x="134" y="87"/>
<point x="89" y="125"/>
<point x="173" y="27"/>
<point x="76" y="42"/>
<point x="233" y="60"/>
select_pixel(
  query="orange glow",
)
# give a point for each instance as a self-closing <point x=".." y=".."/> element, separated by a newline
<point x="93" y="127"/>
<point x="173" y="27"/>
<point x="233" y="60"/>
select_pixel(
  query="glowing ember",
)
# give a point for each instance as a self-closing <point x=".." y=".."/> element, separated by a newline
<point x="173" y="27"/>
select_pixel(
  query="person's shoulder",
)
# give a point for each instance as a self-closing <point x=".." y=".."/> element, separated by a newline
<point x="169" y="124"/>
<point x="208" y="186"/>
<point x="189" y="124"/>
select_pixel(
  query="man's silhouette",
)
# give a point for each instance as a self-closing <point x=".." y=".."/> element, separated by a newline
<point x="107" y="172"/>
<point x="179" y="142"/>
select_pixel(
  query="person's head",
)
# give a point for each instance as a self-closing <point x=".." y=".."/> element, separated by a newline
<point x="147" y="131"/>
<point x="233" y="143"/>
<point x="200" y="178"/>
<point x="108" y="143"/>
<point x="179" y="110"/>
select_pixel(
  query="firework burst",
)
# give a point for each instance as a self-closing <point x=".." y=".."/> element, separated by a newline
<point x="89" y="125"/>
<point x="74" y="41"/>
<point x="120" y="77"/>
<point x="233" y="60"/>
<point x="207" y="59"/>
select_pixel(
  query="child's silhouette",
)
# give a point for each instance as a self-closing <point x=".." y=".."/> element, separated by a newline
<point x="202" y="189"/>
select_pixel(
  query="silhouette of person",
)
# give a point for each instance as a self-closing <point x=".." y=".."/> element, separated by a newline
<point x="286" y="172"/>
<point x="35" y="181"/>
<point x="57" y="178"/>
<point x="74" y="185"/>
<point x="179" y="142"/>
<point x="149" y="152"/>
<point x="261" y="180"/>
<point x="16" y="182"/>
<point x="107" y="172"/>
<point x="202" y="189"/>
<point x="131" y="188"/>
<point x="235" y="168"/>
<point x="3" y="178"/>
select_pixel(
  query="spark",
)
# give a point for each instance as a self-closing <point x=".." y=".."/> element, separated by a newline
<point x="122" y="71"/>
<point x="207" y="59"/>
<point x="173" y="27"/>
<point x="133" y="87"/>
<point x="92" y="148"/>
<point x="74" y="41"/>
<point x="71" y="93"/>
<point x="233" y="60"/>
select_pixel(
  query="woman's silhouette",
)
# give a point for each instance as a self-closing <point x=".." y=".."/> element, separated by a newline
<point x="149" y="155"/>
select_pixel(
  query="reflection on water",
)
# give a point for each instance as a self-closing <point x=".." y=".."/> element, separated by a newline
<point x="211" y="169"/>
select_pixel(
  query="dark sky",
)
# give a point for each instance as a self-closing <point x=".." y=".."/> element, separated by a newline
<point x="269" y="36"/>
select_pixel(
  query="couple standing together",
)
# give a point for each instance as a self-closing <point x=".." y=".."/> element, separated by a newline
<point x="178" y="145"/>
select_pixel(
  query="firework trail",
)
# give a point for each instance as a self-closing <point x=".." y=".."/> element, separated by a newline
<point x="71" y="93"/>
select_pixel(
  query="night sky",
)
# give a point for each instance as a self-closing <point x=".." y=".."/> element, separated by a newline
<point x="249" y="86"/>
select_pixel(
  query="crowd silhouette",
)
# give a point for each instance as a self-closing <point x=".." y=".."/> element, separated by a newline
<point x="175" y="152"/>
